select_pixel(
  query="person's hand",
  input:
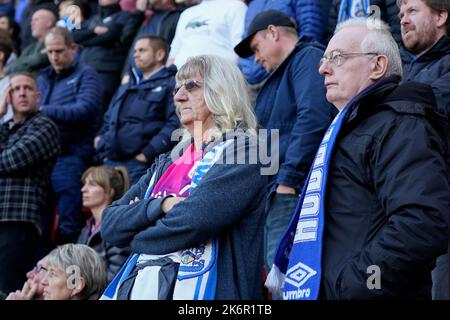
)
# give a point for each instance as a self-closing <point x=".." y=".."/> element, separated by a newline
<point x="141" y="157"/>
<point x="100" y="30"/>
<point x="141" y="5"/>
<point x="5" y="100"/>
<point x="27" y="293"/>
<point x="168" y="203"/>
<point x="285" y="189"/>
<point x="29" y="290"/>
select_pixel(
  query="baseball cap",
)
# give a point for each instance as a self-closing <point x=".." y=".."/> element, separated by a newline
<point x="260" y="22"/>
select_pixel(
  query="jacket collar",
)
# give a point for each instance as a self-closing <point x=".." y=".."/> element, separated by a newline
<point x="371" y="96"/>
<point x="51" y="73"/>
<point x="164" y="72"/>
<point x="440" y="49"/>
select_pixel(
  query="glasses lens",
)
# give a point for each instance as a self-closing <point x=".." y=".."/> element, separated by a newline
<point x="176" y="89"/>
<point x="322" y="61"/>
<point x="189" y="85"/>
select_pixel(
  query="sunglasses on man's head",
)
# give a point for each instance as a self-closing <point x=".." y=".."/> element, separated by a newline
<point x="189" y="85"/>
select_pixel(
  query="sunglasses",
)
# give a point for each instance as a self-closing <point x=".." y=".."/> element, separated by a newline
<point x="189" y="85"/>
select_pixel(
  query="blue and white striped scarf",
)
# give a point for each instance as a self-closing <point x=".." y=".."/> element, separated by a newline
<point x="197" y="273"/>
<point x="297" y="266"/>
<point x="298" y="261"/>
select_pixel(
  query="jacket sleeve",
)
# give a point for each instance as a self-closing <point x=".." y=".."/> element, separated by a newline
<point x="309" y="18"/>
<point x="31" y="62"/>
<point x="39" y="144"/>
<point x="122" y="220"/>
<point x="224" y="196"/>
<point x="161" y="142"/>
<point x="131" y="28"/>
<point x="107" y="38"/>
<point x="314" y="115"/>
<point x="409" y="176"/>
<point x="107" y="116"/>
<point x="87" y="101"/>
<point x="115" y="258"/>
<point x="441" y="89"/>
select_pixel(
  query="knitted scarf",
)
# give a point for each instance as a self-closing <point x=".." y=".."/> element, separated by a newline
<point x="298" y="260"/>
<point x="197" y="272"/>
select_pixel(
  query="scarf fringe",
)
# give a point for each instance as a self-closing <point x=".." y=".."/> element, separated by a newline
<point x="275" y="280"/>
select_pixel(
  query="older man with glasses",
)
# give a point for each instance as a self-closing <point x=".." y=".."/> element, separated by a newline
<point x="377" y="230"/>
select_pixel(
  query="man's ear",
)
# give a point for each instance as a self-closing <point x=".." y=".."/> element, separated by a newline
<point x="74" y="48"/>
<point x="274" y="32"/>
<point x="441" y="21"/>
<point x="379" y="66"/>
<point x="2" y="55"/>
<point x="160" y="55"/>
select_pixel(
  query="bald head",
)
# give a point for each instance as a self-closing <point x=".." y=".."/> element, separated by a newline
<point x="41" y="22"/>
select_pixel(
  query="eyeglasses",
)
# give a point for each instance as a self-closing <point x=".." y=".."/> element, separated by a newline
<point x="188" y="84"/>
<point x="38" y="268"/>
<point x="337" y="58"/>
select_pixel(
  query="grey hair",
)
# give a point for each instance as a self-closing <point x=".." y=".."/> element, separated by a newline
<point x="92" y="267"/>
<point x="226" y="91"/>
<point x="378" y="39"/>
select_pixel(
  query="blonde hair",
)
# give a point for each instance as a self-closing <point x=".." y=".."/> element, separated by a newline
<point x="226" y="91"/>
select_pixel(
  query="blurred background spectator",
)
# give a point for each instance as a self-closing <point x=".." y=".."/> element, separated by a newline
<point x="75" y="272"/>
<point x="101" y="186"/>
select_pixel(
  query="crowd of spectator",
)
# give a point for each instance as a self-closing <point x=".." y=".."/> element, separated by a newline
<point x="95" y="93"/>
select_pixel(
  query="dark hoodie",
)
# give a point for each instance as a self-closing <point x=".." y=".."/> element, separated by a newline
<point x="387" y="194"/>
<point x="140" y="118"/>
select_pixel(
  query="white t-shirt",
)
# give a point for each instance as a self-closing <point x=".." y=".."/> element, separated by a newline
<point x="211" y="27"/>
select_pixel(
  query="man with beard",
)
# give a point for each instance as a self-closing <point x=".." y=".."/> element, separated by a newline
<point x="425" y="26"/>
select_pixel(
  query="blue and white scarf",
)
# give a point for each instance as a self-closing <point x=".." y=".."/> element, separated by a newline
<point x="298" y="258"/>
<point x="350" y="9"/>
<point x="197" y="273"/>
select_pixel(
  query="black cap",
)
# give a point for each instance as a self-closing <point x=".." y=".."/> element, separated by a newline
<point x="260" y="22"/>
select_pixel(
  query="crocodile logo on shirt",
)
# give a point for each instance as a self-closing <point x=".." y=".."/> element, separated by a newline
<point x="196" y="23"/>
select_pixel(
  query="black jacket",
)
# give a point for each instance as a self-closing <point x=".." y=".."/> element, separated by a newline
<point x="161" y="23"/>
<point x="433" y="68"/>
<point x="140" y="118"/>
<point x="388" y="200"/>
<point x="103" y="52"/>
<point x="113" y="257"/>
